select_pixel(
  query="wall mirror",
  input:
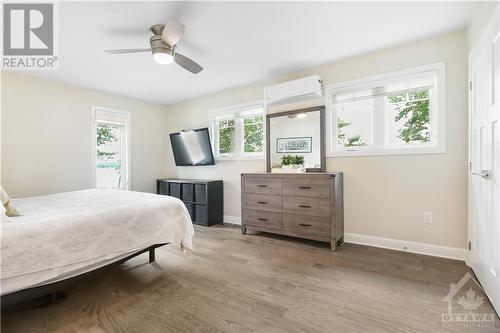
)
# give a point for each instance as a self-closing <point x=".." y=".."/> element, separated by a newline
<point x="296" y="141"/>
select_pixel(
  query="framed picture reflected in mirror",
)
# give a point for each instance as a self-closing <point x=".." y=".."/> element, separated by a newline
<point x="294" y="145"/>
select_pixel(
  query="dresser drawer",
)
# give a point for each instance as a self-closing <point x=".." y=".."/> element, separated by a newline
<point x="318" y="188"/>
<point x="263" y="185"/>
<point x="262" y="218"/>
<point x="307" y="206"/>
<point x="270" y="203"/>
<point x="307" y="226"/>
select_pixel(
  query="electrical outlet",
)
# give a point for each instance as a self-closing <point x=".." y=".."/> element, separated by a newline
<point x="428" y="217"/>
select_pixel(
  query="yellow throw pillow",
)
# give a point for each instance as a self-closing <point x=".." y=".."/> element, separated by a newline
<point x="3" y="217"/>
<point x="10" y="210"/>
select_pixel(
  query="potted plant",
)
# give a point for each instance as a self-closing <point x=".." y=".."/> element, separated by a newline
<point x="292" y="161"/>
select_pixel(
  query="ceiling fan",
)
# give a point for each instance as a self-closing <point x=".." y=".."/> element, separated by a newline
<point x="163" y="41"/>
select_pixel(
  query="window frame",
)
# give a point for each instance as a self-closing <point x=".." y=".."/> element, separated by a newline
<point x="126" y="147"/>
<point x="237" y="112"/>
<point x="437" y="118"/>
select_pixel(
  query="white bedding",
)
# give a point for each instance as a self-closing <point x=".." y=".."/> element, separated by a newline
<point x="66" y="234"/>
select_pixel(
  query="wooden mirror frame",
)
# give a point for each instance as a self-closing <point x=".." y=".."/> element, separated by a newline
<point x="322" y="134"/>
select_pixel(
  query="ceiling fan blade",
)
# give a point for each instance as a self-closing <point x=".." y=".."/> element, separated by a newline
<point x="172" y="32"/>
<point x="187" y="63"/>
<point x="127" y="51"/>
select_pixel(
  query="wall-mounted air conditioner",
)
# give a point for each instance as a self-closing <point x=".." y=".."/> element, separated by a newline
<point x="309" y="87"/>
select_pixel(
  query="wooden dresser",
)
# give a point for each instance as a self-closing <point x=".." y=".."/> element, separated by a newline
<point x="306" y="205"/>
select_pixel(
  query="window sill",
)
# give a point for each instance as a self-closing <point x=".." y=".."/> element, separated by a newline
<point x="387" y="151"/>
<point x="240" y="158"/>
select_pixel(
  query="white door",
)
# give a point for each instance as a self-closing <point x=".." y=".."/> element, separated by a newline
<point x="484" y="155"/>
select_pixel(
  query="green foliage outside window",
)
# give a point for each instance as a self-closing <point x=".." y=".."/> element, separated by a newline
<point x="253" y="134"/>
<point x="105" y="134"/>
<point x="413" y="108"/>
<point x="343" y="139"/>
<point x="227" y="135"/>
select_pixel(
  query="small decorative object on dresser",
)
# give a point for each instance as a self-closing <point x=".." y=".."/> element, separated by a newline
<point x="308" y="205"/>
<point x="204" y="199"/>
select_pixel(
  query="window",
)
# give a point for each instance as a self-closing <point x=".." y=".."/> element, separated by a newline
<point x="227" y="136"/>
<point x="253" y="134"/>
<point x="238" y="131"/>
<point x="110" y="148"/>
<point x="396" y="113"/>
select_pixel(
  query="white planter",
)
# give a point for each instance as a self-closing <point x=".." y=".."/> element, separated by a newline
<point x="297" y="168"/>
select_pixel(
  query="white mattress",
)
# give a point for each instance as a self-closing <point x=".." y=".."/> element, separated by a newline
<point x="66" y="234"/>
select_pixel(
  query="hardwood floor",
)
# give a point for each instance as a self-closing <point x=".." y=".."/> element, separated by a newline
<point x="264" y="283"/>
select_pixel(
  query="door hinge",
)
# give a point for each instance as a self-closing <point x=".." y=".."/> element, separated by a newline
<point x="470" y="85"/>
<point x="470" y="246"/>
<point x="470" y="166"/>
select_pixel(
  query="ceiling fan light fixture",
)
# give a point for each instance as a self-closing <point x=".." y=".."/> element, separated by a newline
<point x="163" y="56"/>
<point x="163" y="44"/>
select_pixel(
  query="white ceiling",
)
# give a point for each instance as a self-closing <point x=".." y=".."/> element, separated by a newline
<point x="237" y="42"/>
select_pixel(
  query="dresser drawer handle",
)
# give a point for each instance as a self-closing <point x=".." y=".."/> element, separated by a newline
<point x="262" y="202"/>
<point x="304" y="187"/>
<point x="305" y="225"/>
<point x="262" y="219"/>
<point x="304" y="206"/>
<point x="261" y="185"/>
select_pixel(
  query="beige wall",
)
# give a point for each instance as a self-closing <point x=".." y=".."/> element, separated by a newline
<point x="46" y="136"/>
<point x="385" y="196"/>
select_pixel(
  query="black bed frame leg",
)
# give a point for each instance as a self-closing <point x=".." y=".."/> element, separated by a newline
<point x="152" y="255"/>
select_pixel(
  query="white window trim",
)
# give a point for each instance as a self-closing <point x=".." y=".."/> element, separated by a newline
<point x="387" y="78"/>
<point x="126" y="115"/>
<point x="230" y="110"/>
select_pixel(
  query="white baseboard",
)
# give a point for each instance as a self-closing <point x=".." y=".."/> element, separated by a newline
<point x="406" y="246"/>
<point x="389" y="243"/>
<point x="232" y="219"/>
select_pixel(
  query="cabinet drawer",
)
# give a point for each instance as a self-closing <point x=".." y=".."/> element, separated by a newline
<point x="261" y="218"/>
<point x="307" y="187"/>
<point x="263" y="185"/>
<point x="307" y="226"/>
<point x="270" y="203"/>
<point x="307" y="206"/>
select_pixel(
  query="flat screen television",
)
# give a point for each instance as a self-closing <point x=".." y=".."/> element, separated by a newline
<point x="192" y="147"/>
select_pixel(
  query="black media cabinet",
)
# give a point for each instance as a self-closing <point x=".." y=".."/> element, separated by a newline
<point x="204" y="199"/>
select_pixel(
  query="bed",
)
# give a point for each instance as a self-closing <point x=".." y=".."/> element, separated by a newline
<point x="64" y="235"/>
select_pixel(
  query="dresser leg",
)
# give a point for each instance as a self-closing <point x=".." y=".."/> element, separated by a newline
<point x="243" y="230"/>
<point x="152" y="255"/>
<point x="334" y="244"/>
